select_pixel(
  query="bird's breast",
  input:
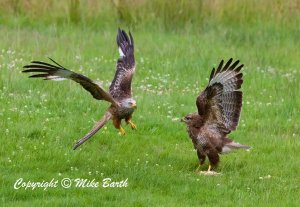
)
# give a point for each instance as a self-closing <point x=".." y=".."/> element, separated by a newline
<point x="122" y="113"/>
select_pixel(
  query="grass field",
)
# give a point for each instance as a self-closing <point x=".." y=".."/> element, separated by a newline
<point x="41" y="120"/>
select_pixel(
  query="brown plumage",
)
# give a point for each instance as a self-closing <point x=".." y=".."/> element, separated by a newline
<point x="219" y="107"/>
<point x="119" y="95"/>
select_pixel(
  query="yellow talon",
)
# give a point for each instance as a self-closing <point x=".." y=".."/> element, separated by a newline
<point x="133" y="126"/>
<point x="208" y="172"/>
<point x="121" y="131"/>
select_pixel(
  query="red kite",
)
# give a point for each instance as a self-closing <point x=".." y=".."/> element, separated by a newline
<point x="119" y="95"/>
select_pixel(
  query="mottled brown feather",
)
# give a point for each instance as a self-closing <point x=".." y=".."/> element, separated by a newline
<point x="216" y="104"/>
<point x="123" y="104"/>
<point x="52" y="72"/>
<point x="219" y="107"/>
<point x="120" y="87"/>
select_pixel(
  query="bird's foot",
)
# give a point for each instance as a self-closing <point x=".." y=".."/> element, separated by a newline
<point x="121" y="131"/>
<point x="208" y="172"/>
<point x="133" y="126"/>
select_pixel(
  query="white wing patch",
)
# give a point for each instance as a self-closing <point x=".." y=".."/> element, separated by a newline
<point x="121" y="52"/>
<point x="60" y="75"/>
<point x="55" y="78"/>
<point x="63" y="73"/>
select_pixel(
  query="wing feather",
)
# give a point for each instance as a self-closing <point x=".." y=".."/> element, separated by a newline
<point x="58" y="72"/>
<point x="220" y="66"/>
<point x="221" y="102"/>
<point x="121" y="84"/>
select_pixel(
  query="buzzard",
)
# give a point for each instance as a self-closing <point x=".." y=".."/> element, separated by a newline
<point x="119" y="95"/>
<point x="219" y="107"/>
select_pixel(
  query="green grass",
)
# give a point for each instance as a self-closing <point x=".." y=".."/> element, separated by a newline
<point x="41" y="120"/>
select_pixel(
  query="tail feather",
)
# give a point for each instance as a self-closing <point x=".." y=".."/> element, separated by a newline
<point x="96" y="128"/>
<point x="230" y="145"/>
<point x="236" y="145"/>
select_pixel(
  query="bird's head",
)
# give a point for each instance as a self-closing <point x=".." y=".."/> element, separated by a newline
<point x="129" y="103"/>
<point x="187" y="119"/>
<point x="192" y="119"/>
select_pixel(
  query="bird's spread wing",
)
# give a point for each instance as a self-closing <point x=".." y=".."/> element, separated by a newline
<point x="57" y="72"/>
<point x="96" y="128"/>
<point x="121" y="84"/>
<point x="221" y="102"/>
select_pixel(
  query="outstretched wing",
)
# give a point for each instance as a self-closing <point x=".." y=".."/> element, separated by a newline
<point x="96" y="128"/>
<point x="221" y="102"/>
<point x="121" y="85"/>
<point x="57" y="72"/>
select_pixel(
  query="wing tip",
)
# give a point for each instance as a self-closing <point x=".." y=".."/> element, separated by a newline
<point x="212" y="74"/>
<point x="61" y="67"/>
<point x="123" y="37"/>
<point x="125" y="43"/>
<point x="219" y="67"/>
<point x="228" y="66"/>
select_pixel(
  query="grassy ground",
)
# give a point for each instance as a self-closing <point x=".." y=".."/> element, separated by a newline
<point x="40" y="121"/>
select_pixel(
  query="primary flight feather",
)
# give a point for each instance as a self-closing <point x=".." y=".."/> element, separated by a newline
<point x="219" y="107"/>
<point x="119" y="95"/>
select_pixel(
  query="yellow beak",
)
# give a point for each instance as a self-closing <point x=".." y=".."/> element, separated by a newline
<point x="134" y="106"/>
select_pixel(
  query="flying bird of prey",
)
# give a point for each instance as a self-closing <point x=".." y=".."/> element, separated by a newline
<point x="219" y="107"/>
<point x="119" y="95"/>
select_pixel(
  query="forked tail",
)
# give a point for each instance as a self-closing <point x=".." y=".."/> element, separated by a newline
<point x="96" y="128"/>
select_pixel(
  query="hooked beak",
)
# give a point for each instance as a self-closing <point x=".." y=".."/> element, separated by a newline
<point x="134" y="106"/>
<point x="183" y="119"/>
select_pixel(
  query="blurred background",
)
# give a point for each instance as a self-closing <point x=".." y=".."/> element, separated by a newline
<point x="173" y="14"/>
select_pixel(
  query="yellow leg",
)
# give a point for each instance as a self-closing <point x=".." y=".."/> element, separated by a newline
<point x="209" y="168"/>
<point x="198" y="168"/>
<point x="209" y="172"/>
<point x="121" y="131"/>
<point x="133" y="126"/>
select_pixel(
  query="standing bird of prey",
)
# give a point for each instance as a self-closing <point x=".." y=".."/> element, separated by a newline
<point x="219" y="107"/>
<point x="119" y="95"/>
